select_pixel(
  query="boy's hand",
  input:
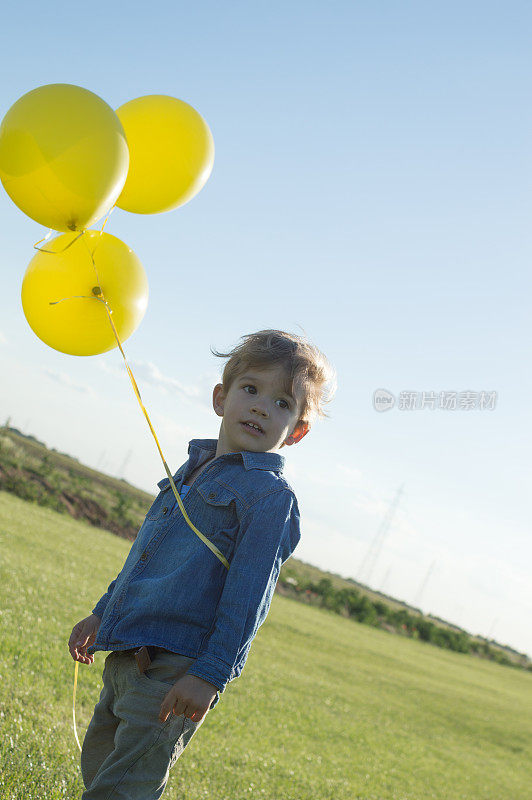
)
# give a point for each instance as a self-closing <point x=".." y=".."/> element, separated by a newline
<point x="191" y="696"/>
<point x="82" y="636"/>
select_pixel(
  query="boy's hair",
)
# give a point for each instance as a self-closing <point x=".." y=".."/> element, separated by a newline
<point x="306" y="366"/>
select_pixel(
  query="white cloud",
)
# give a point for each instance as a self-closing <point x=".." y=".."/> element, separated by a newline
<point x="3" y="339"/>
<point x="328" y="474"/>
<point x="169" y="427"/>
<point x="109" y="368"/>
<point x="148" y="372"/>
<point x="368" y="503"/>
<point x="66" y="380"/>
<point x="349" y="475"/>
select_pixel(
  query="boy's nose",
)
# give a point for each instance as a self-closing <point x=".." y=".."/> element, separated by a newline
<point x="260" y="410"/>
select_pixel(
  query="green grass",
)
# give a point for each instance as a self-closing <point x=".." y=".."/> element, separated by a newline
<point x="325" y="707"/>
<point x="29" y="470"/>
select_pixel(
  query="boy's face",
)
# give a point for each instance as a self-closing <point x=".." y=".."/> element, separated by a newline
<point x="258" y="397"/>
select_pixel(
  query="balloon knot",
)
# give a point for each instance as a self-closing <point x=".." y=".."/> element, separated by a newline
<point x="96" y="291"/>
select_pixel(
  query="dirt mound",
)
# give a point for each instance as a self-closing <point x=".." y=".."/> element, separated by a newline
<point x="30" y="485"/>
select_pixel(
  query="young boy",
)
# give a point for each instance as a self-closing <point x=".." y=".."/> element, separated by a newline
<point x="180" y="618"/>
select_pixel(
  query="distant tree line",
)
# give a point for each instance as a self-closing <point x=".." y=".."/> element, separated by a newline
<point x="352" y="603"/>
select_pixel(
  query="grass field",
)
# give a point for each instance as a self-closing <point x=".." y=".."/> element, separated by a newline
<point x="325" y="708"/>
<point x="31" y="471"/>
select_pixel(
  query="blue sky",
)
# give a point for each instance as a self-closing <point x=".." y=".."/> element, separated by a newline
<point x="371" y="187"/>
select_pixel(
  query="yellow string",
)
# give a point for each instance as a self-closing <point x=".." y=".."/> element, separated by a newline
<point x="43" y="239"/>
<point x="203" y="538"/>
<point x="107" y="217"/>
<point x="74" y="704"/>
<point x="55" y="252"/>
<point x="98" y="295"/>
<point x="75" y="239"/>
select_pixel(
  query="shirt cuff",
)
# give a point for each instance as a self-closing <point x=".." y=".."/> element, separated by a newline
<point x="212" y="670"/>
<point x="99" y="608"/>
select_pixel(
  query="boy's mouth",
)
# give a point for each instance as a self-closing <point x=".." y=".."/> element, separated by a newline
<point x="253" y="428"/>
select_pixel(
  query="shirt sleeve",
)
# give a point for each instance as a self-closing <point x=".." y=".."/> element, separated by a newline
<point x="268" y="535"/>
<point x="99" y="608"/>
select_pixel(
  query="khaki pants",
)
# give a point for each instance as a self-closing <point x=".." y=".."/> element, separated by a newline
<point x="127" y="752"/>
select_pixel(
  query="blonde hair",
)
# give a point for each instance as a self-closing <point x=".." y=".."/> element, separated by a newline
<point x="307" y="368"/>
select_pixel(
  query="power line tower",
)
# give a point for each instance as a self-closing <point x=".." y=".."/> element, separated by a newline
<point x="385" y="581"/>
<point x="370" y="559"/>
<point x="124" y="464"/>
<point x="417" y="599"/>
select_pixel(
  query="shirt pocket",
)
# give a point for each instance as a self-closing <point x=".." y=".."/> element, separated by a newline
<point x="219" y="515"/>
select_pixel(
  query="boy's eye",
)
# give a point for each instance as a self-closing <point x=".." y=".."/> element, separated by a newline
<point x="251" y="389"/>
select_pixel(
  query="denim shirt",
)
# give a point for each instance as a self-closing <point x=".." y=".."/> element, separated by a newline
<point x="173" y="592"/>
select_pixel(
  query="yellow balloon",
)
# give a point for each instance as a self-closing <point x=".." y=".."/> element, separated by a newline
<point x="63" y="156"/>
<point x="79" y="324"/>
<point x="171" y="152"/>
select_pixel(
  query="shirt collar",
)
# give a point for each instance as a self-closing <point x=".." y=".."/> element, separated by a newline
<point x="199" y="450"/>
<point x="251" y="460"/>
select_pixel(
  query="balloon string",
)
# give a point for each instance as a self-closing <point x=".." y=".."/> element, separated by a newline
<point x="107" y="217"/>
<point x="44" y="239"/>
<point x="75" y="239"/>
<point x="98" y="294"/>
<point x="74" y="297"/>
<point x="204" y="539"/>
<point x="74" y="704"/>
<point x="55" y="252"/>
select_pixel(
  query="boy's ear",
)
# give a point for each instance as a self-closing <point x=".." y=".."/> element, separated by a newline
<point x="218" y="399"/>
<point x="301" y="429"/>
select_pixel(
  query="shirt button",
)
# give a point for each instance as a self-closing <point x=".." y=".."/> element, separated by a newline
<point x="212" y="496"/>
<point x="165" y="509"/>
<point x="144" y="556"/>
